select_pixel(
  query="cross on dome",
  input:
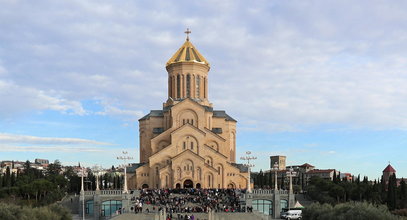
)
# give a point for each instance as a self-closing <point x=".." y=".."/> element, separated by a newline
<point x="187" y="32"/>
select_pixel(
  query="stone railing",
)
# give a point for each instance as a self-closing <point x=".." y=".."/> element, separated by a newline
<point x="111" y="192"/>
<point x="104" y="192"/>
<point x="268" y="191"/>
<point x="90" y="193"/>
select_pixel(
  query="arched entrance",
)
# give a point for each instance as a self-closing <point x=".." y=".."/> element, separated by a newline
<point x="178" y="186"/>
<point x="231" y="186"/>
<point x="188" y="184"/>
<point x="198" y="185"/>
<point x="144" y="186"/>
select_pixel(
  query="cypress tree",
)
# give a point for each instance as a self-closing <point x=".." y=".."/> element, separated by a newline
<point x="13" y="179"/>
<point x="282" y="186"/>
<point x="403" y="194"/>
<point x="391" y="192"/>
<point x="383" y="188"/>
<point x="335" y="180"/>
<point x="261" y="177"/>
<point x="7" y="178"/>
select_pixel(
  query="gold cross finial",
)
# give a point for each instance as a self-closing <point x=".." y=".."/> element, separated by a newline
<point x="187" y="32"/>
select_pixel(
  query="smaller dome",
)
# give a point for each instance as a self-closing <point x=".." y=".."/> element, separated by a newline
<point x="187" y="53"/>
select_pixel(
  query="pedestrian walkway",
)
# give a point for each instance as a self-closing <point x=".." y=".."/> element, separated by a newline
<point x="198" y="216"/>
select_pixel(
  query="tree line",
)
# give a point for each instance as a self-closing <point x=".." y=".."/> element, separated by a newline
<point x="391" y="192"/>
<point x="42" y="187"/>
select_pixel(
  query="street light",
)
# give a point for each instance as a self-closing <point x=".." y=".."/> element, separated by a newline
<point x="83" y="193"/>
<point x="290" y="174"/>
<point x="96" y="170"/>
<point x="248" y="165"/>
<point x="125" y="158"/>
<point x="275" y="169"/>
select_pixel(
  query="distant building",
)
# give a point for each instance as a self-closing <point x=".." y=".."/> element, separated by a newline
<point x="327" y="174"/>
<point x="346" y="176"/>
<point x="387" y="172"/>
<point x="302" y="168"/>
<point x="42" y="161"/>
<point x="280" y="160"/>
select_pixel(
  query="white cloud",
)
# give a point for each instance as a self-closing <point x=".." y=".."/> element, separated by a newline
<point x="16" y="99"/>
<point x="276" y="66"/>
<point x="25" y="139"/>
<point x="111" y="110"/>
<point x="43" y="149"/>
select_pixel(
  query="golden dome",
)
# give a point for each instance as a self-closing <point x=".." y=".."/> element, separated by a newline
<point x="187" y="53"/>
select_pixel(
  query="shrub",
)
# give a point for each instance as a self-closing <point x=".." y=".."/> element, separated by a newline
<point x="400" y="212"/>
<point x="52" y="212"/>
<point x="348" y="211"/>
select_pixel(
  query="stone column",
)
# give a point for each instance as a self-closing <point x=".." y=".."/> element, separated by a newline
<point x="276" y="204"/>
<point x="97" y="206"/>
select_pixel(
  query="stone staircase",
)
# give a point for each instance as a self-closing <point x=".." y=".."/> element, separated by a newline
<point x="71" y="202"/>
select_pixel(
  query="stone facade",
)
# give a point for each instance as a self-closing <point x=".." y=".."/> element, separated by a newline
<point x="188" y="143"/>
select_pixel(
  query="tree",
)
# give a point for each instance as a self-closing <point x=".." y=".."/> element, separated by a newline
<point x="7" y="179"/>
<point x="13" y="179"/>
<point x="391" y="192"/>
<point x="403" y="194"/>
<point x="54" y="168"/>
<point x="350" y="210"/>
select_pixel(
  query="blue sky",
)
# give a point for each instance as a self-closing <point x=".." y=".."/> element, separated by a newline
<point x="322" y="82"/>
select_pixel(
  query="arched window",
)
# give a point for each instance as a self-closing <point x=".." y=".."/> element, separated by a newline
<point x="170" y="86"/>
<point x="192" y="145"/>
<point x="188" y="85"/>
<point x="204" y="87"/>
<point x="185" y="145"/>
<point x="197" y="86"/>
<point x="178" y="87"/>
<point x="199" y="174"/>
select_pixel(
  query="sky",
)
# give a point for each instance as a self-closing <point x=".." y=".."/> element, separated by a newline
<point x="322" y="82"/>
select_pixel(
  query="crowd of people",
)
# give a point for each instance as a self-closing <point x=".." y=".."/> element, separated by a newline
<point x="183" y="202"/>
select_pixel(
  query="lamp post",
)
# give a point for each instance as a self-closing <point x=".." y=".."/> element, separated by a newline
<point x="248" y="165"/>
<point x="96" y="169"/>
<point x="275" y="169"/>
<point x="290" y="174"/>
<point x="83" y="193"/>
<point x="125" y="158"/>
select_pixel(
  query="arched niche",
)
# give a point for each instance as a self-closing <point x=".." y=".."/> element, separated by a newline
<point x="187" y="116"/>
<point x="188" y="142"/>
<point x="213" y="144"/>
<point x="160" y="146"/>
<point x="209" y="160"/>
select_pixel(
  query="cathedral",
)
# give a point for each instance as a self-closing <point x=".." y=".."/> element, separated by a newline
<point x="188" y="144"/>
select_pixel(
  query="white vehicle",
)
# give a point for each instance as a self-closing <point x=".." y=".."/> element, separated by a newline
<point x="292" y="214"/>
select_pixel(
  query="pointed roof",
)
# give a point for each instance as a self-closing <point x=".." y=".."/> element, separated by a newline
<point x="389" y="169"/>
<point x="306" y="165"/>
<point x="187" y="53"/>
<point x="298" y="205"/>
